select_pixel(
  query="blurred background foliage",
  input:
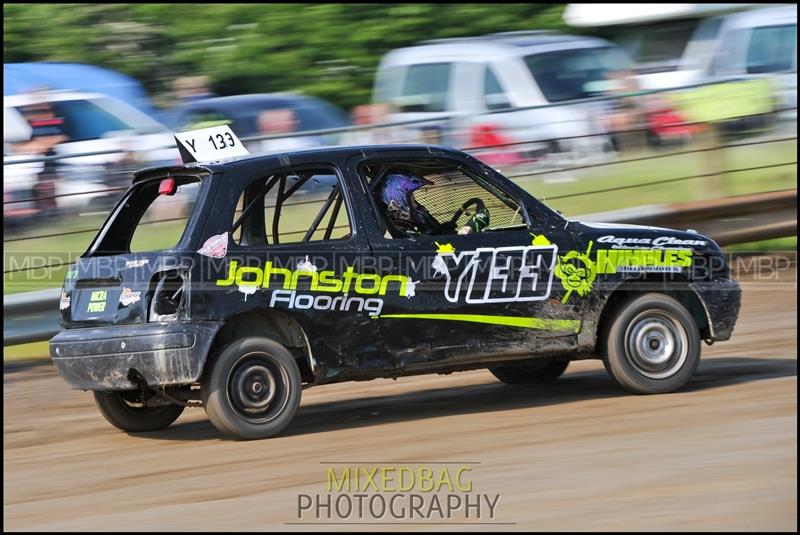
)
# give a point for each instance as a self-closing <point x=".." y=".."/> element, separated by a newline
<point x="325" y="50"/>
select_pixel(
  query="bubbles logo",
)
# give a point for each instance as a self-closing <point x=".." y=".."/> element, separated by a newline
<point x="577" y="272"/>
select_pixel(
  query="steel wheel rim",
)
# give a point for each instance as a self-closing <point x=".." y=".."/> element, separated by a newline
<point x="656" y="344"/>
<point x="257" y="387"/>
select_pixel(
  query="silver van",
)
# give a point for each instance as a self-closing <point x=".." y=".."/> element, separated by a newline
<point x="761" y="43"/>
<point x="468" y="85"/>
<point x="678" y="45"/>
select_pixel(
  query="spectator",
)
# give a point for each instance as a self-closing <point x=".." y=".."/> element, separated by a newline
<point x="47" y="131"/>
<point x="282" y="121"/>
<point x="360" y="115"/>
<point x="190" y="88"/>
<point x="374" y="115"/>
<point x="380" y="114"/>
<point x="623" y="115"/>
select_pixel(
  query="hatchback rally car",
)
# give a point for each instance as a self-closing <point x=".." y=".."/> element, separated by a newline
<point x="420" y="259"/>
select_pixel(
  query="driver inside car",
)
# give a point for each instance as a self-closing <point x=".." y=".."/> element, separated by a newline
<point x="407" y="217"/>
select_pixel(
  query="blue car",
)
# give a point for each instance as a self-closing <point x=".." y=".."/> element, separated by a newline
<point x="242" y="113"/>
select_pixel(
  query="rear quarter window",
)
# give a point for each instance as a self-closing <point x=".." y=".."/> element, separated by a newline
<point x="165" y="219"/>
<point x="148" y="221"/>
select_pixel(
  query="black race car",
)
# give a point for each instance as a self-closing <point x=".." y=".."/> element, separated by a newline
<point x="421" y="259"/>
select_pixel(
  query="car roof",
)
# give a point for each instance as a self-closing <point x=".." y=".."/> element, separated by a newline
<point x="50" y="96"/>
<point x="19" y="78"/>
<point x="249" y="100"/>
<point x="285" y="158"/>
<point x="767" y="16"/>
<point x="506" y="44"/>
<point x="522" y="39"/>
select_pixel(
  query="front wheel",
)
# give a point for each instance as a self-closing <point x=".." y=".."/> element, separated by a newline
<point x="253" y="389"/>
<point x="538" y="371"/>
<point x="123" y="410"/>
<point x="652" y="346"/>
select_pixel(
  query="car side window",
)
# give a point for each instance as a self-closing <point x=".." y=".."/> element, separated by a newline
<point x="84" y="120"/>
<point x="204" y="118"/>
<point x="437" y="198"/>
<point x="426" y="87"/>
<point x="304" y="205"/>
<point x="493" y="95"/>
<point x="771" y="49"/>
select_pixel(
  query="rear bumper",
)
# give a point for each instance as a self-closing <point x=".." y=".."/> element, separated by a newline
<point x="721" y="299"/>
<point x="101" y="358"/>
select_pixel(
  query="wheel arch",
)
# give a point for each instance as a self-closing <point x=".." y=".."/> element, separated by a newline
<point x="271" y="324"/>
<point x="683" y="292"/>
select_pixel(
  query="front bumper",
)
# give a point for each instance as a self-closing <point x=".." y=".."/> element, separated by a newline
<point x="721" y="299"/>
<point x="100" y="358"/>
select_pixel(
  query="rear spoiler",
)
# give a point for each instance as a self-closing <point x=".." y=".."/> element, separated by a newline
<point x="175" y="170"/>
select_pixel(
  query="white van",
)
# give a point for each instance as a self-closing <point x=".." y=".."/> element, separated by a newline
<point x="92" y="123"/>
<point x="676" y="45"/>
<point x="760" y="43"/>
<point x="465" y="84"/>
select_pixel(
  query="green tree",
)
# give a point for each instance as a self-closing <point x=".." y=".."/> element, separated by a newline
<point x="327" y="50"/>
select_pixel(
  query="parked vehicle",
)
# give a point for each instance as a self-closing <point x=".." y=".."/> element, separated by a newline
<point x="241" y="113"/>
<point x="420" y="260"/>
<point x="20" y="78"/>
<point x="479" y="82"/>
<point x="678" y="45"/>
<point x="89" y="123"/>
<point x="758" y="44"/>
<point x="274" y="115"/>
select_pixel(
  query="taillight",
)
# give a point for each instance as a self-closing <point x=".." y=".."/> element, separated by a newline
<point x="167" y="186"/>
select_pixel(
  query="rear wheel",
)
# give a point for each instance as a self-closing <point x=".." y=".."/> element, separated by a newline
<point x="538" y="371"/>
<point x="253" y="389"/>
<point x="124" y="410"/>
<point x="652" y="346"/>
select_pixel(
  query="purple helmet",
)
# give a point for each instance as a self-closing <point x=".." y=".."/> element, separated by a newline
<point x="396" y="190"/>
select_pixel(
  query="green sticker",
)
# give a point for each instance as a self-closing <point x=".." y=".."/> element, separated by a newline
<point x="97" y="301"/>
<point x="576" y="278"/>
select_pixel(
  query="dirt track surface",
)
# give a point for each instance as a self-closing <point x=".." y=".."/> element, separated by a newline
<point x="578" y="455"/>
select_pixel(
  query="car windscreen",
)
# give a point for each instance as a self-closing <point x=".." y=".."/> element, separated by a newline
<point x="152" y="217"/>
<point x="572" y="74"/>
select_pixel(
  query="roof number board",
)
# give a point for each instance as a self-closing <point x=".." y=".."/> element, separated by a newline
<point x="207" y="144"/>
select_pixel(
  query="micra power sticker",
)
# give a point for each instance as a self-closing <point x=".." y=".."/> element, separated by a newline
<point x="97" y="301"/>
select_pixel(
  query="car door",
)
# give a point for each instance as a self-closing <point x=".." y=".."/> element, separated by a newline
<point x="468" y="295"/>
<point x="298" y="254"/>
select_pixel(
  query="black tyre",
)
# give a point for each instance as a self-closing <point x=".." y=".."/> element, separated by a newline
<point x="253" y="389"/>
<point x="538" y="371"/>
<point x="652" y="345"/>
<point x="123" y="410"/>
